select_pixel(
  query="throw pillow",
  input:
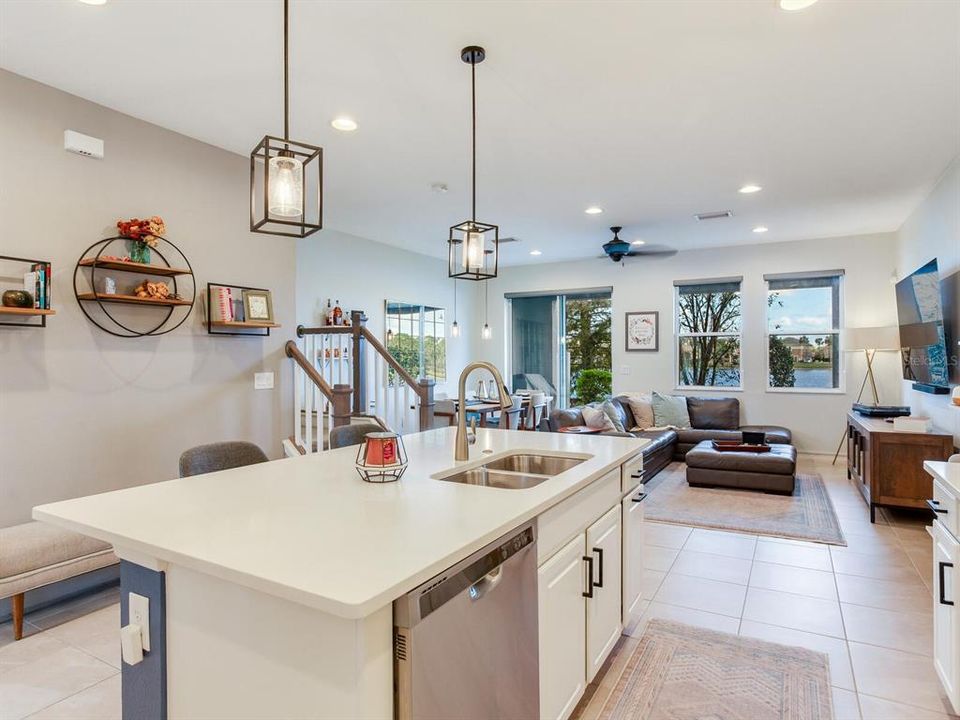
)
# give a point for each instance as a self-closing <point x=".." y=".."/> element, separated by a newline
<point x="614" y="414"/>
<point x="642" y="409"/>
<point x="595" y="417"/>
<point x="670" y="410"/>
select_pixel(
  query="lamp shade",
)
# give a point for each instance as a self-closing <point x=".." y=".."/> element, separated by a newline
<point x="872" y="338"/>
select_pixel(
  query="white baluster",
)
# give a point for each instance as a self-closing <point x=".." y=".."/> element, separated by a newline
<point x="298" y="404"/>
<point x="408" y="422"/>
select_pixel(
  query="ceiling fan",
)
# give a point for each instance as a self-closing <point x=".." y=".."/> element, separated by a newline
<point x="617" y="249"/>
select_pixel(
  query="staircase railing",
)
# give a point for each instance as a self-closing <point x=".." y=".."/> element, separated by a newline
<point x="346" y="372"/>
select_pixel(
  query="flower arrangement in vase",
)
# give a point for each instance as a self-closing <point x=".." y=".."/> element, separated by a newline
<point x="142" y="235"/>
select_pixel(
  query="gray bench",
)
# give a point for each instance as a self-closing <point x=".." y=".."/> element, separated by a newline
<point x="36" y="554"/>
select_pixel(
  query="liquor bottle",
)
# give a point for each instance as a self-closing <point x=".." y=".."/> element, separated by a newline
<point x="337" y="314"/>
<point x="328" y="315"/>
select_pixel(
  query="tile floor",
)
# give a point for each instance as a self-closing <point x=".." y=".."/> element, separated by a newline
<point x="867" y="606"/>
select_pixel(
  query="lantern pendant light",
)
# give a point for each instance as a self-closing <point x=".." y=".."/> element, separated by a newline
<point x="455" y="327"/>
<point x="473" y="246"/>
<point x="286" y="176"/>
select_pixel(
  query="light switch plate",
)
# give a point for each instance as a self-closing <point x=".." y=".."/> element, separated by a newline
<point x="263" y="381"/>
<point x="624" y="369"/>
<point x="139" y="607"/>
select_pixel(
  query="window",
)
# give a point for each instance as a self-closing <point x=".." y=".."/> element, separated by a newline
<point x="708" y="333"/>
<point x="803" y="331"/>
<point x="416" y="339"/>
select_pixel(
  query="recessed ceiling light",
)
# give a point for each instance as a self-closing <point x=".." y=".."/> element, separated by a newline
<point x="638" y="242"/>
<point x="795" y="5"/>
<point x="760" y="229"/>
<point x="747" y="189"/>
<point x="94" y="2"/>
<point x="536" y="252"/>
<point x="593" y="210"/>
<point x="344" y="124"/>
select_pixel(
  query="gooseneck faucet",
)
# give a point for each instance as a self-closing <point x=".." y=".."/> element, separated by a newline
<point x="462" y="446"/>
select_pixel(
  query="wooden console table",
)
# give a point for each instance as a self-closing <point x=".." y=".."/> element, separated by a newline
<point x="887" y="465"/>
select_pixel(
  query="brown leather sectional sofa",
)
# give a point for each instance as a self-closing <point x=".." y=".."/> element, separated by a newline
<point x="710" y="419"/>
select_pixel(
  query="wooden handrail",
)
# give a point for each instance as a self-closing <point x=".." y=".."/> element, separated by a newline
<point x="293" y="352"/>
<point x="420" y="390"/>
<point x="325" y="330"/>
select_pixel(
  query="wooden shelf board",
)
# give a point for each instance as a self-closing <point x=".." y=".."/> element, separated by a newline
<point x="25" y="312"/>
<point x="142" y="268"/>
<point x="245" y="324"/>
<point x="132" y="300"/>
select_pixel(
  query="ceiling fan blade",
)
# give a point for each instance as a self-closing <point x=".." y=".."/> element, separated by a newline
<point x="653" y="251"/>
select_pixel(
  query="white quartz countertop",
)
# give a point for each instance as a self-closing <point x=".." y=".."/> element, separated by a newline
<point x="947" y="473"/>
<point x="308" y="529"/>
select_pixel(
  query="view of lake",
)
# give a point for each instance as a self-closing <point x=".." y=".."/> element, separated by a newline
<point x="803" y="378"/>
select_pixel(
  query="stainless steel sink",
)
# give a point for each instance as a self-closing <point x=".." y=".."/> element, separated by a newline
<point x="515" y="472"/>
<point x="534" y="464"/>
<point x="494" y="478"/>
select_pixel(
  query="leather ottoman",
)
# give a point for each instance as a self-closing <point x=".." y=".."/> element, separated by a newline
<point x="773" y="472"/>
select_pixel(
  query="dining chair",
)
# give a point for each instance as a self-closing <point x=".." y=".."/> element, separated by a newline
<point x="220" y="456"/>
<point x="347" y="435"/>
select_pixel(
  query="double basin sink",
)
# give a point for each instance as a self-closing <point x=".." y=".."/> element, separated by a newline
<point x="515" y="472"/>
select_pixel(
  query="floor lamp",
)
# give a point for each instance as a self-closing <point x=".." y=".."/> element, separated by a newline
<point x="869" y="341"/>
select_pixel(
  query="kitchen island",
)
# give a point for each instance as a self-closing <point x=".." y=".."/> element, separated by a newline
<point x="271" y="586"/>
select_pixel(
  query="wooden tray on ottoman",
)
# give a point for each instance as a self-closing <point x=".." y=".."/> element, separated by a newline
<point x="737" y="446"/>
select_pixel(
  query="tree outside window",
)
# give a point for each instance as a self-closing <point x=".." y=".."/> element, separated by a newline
<point x="416" y="338"/>
<point x="708" y="334"/>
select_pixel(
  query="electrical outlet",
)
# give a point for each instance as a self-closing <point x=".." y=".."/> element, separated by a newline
<point x="624" y="369"/>
<point x="263" y="381"/>
<point x="139" y="608"/>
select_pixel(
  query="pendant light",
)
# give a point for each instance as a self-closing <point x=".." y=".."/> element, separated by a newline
<point x="455" y="327"/>
<point x="486" y="333"/>
<point x="473" y="246"/>
<point x="286" y="176"/>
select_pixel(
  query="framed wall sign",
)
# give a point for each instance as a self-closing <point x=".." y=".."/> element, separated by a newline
<point x="258" y="305"/>
<point x="642" y="331"/>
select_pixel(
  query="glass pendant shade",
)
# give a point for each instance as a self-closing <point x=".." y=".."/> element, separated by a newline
<point x="455" y="329"/>
<point x="486" y="333"/>
<point x="473" y="250"/>
<point x="286" y="187"/>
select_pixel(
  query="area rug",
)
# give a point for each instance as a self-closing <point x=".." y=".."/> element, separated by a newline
<point x="682" y="672"/>
<point x="808" y="514"/>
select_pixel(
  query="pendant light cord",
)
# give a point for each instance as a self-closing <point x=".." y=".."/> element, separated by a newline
<point x="454" y="300"/>
<point x="486" y="303"/>
<point x="473" y="102"/>
<point x="286" y="72"/>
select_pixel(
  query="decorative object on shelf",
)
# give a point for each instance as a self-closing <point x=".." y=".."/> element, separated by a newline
<point x="109" y="286"/>
<point x="286" y="177"/>
<point x="174" y="298"/>
<point x="32" y="299"/>
<point x="381" y="457"/>
<point x="227" y="313"/>
<point x="258" y="305"/>
<point x="642" y="331"/>
<point x="473" y="247"/>
<point x="141" y="235"/>
<point x="955" y="395"/>
<point x="17" y="299"/>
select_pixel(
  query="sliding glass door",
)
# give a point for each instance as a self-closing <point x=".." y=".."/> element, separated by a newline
<point x="555" y="337"/>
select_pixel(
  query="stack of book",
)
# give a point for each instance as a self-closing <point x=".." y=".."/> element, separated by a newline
<point x="37" y="283"/>
<point x="227" y="307"/>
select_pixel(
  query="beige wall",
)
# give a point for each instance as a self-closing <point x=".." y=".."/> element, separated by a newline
<point x="933" y="231"/>
<point x="82" y="411"/>
<point x="817" y="420"/>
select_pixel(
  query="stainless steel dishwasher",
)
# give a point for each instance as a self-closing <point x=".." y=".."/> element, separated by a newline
<point x="466" y="641"/>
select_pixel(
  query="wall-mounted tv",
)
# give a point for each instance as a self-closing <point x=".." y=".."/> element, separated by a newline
<point x="922" y="341"/>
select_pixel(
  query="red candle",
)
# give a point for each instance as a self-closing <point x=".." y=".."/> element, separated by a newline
<point x="381" y="449"/>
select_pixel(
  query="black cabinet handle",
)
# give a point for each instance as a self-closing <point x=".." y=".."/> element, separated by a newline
<point x="637" y="475"/>
<point x="639" y="497"/>
<point x="589" y="591"/>
<point x="599" y="552"/>
<point x="943" y="599"/>
<point x="935" y="506"/>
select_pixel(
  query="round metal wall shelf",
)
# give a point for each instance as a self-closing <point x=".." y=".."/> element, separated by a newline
<point x="172" y="312"/>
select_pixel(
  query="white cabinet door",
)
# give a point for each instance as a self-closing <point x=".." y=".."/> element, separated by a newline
<point x="946" y="643"/>
<point x="561" y="584"/>
<point x="605" y="546"/>
<point x="632" y="517"/>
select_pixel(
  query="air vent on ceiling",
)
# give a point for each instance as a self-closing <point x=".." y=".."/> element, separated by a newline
<point x="509" y="240"/>
<point x="713" y="215"/>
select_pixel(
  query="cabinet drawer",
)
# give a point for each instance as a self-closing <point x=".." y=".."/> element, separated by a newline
<point x="945" y="503"/>
<point x="631" y="473"/>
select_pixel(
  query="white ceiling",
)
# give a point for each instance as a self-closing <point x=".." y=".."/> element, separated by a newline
<point x="846" y="113"/>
